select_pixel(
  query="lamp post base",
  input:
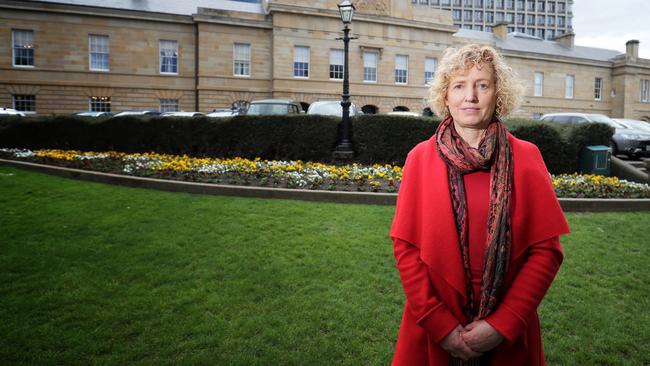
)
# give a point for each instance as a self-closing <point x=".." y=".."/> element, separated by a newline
<point x="342" y="154"/>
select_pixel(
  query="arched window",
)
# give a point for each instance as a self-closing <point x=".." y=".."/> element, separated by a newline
<point x="427" y="112"/>
<point x="304" y="106"/>
<point x="240" y="105"/>
<point x="369" y="109"/>
<point x="401" y="108"/>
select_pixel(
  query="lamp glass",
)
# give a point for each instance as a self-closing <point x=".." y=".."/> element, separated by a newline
<point x="346" y="8"/>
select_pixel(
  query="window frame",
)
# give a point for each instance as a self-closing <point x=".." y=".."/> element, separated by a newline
<point x="428" y="81"/>
<point x="308" y="71"/>
<point x="245" y="63"/>
<point x="334" y="51"/>
<point x="99" y="101"/>
<point x="169" y="102"/>
<point x="32" y="49"/>
<point x="90" y="52"/>
<point x="376" y="74"/>
<point x="598" y="89"/>
<point x="406" y="76"/>
<point x="14" y="106"/>
<point x="538" y="87"/>
<point x="644" y="91"/>
<point x="572" y="78"/>
<point x="161" y="58"/>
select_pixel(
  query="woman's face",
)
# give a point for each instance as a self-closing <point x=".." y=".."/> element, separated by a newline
<point x="471" y="96"/>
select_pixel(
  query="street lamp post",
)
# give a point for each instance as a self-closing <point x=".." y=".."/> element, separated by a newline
<point x="344" y="147"/>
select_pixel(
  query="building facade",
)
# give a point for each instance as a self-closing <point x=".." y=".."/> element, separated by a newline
<point x="544" y="19"/>
<point x="60" y="57"/>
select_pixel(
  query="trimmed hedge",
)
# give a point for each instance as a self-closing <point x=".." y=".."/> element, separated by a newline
<point x="377" y="138"/>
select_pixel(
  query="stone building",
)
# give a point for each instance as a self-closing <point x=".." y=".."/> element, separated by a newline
<point x="65" y="56"/>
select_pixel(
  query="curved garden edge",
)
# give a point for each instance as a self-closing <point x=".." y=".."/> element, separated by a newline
<point x="568" y="204"/>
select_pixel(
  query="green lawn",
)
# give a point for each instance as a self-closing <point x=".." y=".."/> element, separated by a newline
<point x="92" y="274"/>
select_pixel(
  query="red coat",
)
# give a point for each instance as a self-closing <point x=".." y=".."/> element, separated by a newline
<point x="429" y="261"/>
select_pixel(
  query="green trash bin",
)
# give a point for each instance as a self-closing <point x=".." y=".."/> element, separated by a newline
<point x="595" y="160"/>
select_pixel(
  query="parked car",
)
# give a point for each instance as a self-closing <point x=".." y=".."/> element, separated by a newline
<point x="94" y="114"/>
<point x="182" y="114"/>
<point x="137" y="113"/>
<point x="634" y="123"/>
<point x="628" y="141"/>
<point x="331" y="108"/>
<point x="5" y="112"/>
<point x="225" y="113"/>
<point x="404" y="113"/>
<point x="273" y="106"/>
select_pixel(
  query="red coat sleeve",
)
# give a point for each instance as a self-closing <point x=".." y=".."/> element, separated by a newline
<point x="431" y="313"/>
<point x="529" y="286"/>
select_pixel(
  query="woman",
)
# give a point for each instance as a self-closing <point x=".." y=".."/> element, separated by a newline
<point x="477" y="225"/>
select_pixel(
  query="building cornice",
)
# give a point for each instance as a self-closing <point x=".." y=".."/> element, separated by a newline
<point x="94" y="11"/>
<point x="384" y="20"/>
<point x="555" y="58"/>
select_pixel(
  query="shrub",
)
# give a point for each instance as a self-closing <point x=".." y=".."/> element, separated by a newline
<point x="378" y="139"/>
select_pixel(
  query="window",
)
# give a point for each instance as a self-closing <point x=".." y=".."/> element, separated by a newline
<point x="560" y="21"/>
<point x="499" y="17"/>
<point x="539" y="84"/>
<point x="499" y="4"/>
<point x="401" y="69"/>
<point x="530" y="19"/>
<point x="598" y="88"/>
<point x="430" y="65"/>
<point x="531" y="5"/>
<point x="99" y="104"/>
<point x="550" y="33"/>
<point x="540" y="33"/>
<point x="478" y="27"/>
<point x="569" y="80"/>
<point x="520" y="18"/>
<point x="467" y="15"/>
<point x="478" y="3"/>
<point x="511" y="29"/>
<point x="550" y="20"/>
<point x="541" y="20"/>
<point x="540" y="5"/>
<point x="446" y="2"/>
<point x="301" y="62"/>
<point x="645" y="91"/>
<point x="489" y="17"/>
<point x="241" y="59"/>
<point x="456" y="14"/>
<point x="168" y="57"/>
<point x="510" y="4"/>
<point x="489" y="4"/>
<point x="478" y="16"/>
<point x="24" y="103"/>
<point x="457" y="2"/>
<point x="560" y="7"/>
<point x="530" y="31"/>
<point x="370" y="66"/>
<point x="467" y="2"/>
<point x="168" y="105"/>
<point x="520" y="4"/>
<point x="551" y="7"/>
<point x="510" y="18"/>
<point x="336" y="64"/>
<point x="98" y="52"/>
<point x="23" y="47"/>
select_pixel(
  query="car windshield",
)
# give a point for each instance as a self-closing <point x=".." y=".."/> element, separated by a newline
<point x="606" y="120"/>
<point x="268" y="108"/>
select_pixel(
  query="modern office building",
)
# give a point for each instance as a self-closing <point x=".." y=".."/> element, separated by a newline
<point x="63" y="56"/>
<point x="544" y="19"/>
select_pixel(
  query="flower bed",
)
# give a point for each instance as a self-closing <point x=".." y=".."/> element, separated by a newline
<point x="290" y="174"/>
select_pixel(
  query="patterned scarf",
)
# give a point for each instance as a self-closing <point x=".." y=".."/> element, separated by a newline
<point x="493" y="153"/>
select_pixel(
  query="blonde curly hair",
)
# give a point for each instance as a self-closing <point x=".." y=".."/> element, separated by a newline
<point x="455" y="60"/>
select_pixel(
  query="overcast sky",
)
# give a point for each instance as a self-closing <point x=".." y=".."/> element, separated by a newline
<point x="611" y="23"/>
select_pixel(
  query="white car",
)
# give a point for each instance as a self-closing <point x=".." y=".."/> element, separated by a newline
<point x="182" y="114"/>
<point x="224" y="113"/>
<point x="4" y="112"/>
<point x="331" y="108"/>
<point x="404" y="113"/>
